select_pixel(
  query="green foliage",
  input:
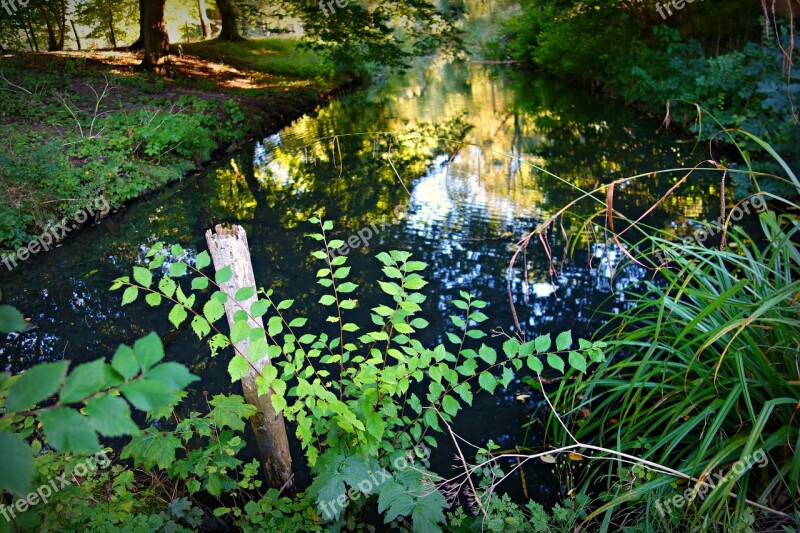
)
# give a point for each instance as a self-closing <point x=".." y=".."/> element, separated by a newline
<point x="133" y="373"/>
<point x="488" y="511"/>
<point x="357" y="392"/>
<point x="702" y="379"/>
<point x="661" y="67"/>
<point x="358" y="38"/>
<point x="11" y="320"/>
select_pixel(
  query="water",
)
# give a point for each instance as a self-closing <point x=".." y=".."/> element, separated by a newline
<point x="453" y="147"/>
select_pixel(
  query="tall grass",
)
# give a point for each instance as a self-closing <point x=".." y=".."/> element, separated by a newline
<point x="702" y="373"/>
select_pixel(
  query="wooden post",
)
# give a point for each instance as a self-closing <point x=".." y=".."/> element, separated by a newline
<point x="228" y="247"/>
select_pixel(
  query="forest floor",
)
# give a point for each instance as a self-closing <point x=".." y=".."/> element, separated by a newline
<point x="75" y="126"/>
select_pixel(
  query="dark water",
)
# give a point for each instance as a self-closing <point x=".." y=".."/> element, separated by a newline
<point x="454" y="148"/>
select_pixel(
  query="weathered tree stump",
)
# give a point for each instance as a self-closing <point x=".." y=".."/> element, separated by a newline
<point x="228" y="247"/>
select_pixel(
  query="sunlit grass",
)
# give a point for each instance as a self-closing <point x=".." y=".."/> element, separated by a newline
<point x="280" y="56"/>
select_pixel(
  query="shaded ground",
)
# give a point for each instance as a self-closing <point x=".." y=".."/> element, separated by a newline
<point x="76" y="125"/>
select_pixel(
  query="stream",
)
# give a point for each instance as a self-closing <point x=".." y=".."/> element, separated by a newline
<point x="455" y="164"/>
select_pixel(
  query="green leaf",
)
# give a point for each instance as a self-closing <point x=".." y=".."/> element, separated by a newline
<point x="157" y="263"/>
<point x="202" y="260"/>
<point x="298" y="322"/>
<point x="511" y="347"/>
<point x="478" y="317"/>
<point x="213" y="310"/>
<point x="475" y="334"/>
<point x="535" y="364"/>
<point x="458" y="322"/>
<point x="153" y="299"/>
<point x="201" y="327"/>
<point x="36" y="385"/>
<point x="464" y="391"/>
<point x="275" y="326"/>
<point x="84" y="381"/>
<point x="157" y="247"/>
<point x="257" y="350"/>
<point x="244" y="293"/>
<point x="341" y="273"/>
<point x="231" y="411"/>
<point x="148" y="395"/>
<point x="68" y="431"/>
<point x="327" y="300"/>
<point x="487" y="382"/>
<point x="384" y="258"/>
<point x="143" y="276"/>
<point x="413" y="266"/>
<point x="125" y="363"/>
<point x="392" y="289"/>
<point x="11" y="320"/>
<point x="173" y="376"/>
<point x="577" y="361"/>
<point x="347" y="287"/>
<point x="564" y="340"/>
<point x="420" y="323"/>
<point x="450" y="405"/>
<point x="259" y="308"/>
<point x="395" y="500"/>
<point x="414" y="283"/>
<point x="240" y="331"/>
<point x="167" y="286"/>
<point x="285" y="304"/>
<point x="110" y="416"/>
<point x="178" y="315"/>
<point x="218" y="342"/>
<point x="151" y="449"/>
<point x="16" y="468"/>
<point x="130" y="295"/>
<point x="508" y="375"/>
<point x="392" y="272"/>
<point x="555" y="362"/>
<point x="200" y="283"/>
<point x="177" y="270"/>
<point x="542" y="343"/>
<point x="222" y="275"/>
<point x="148" y="351"/>
<point x="238" y="367"/>
<point x="487" y="354"/>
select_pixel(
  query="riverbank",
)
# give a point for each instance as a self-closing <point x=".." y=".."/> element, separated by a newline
<point x="79" y="126"/>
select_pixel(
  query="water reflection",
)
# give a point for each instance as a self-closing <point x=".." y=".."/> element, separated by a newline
<point x="470" y="154"/>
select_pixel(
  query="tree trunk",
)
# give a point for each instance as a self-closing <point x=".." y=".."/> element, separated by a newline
<point x="54" y="43"/>
<point x="139" y="43"/>
<point x="227" y="12"/>
<point x="201" y="7"/>
<point x="154" y="32"/>
<point x="228" y="247"/>
<point x="112" y="36"/>
<point x="75" y="31"/>
<point x="33" y="37"/>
